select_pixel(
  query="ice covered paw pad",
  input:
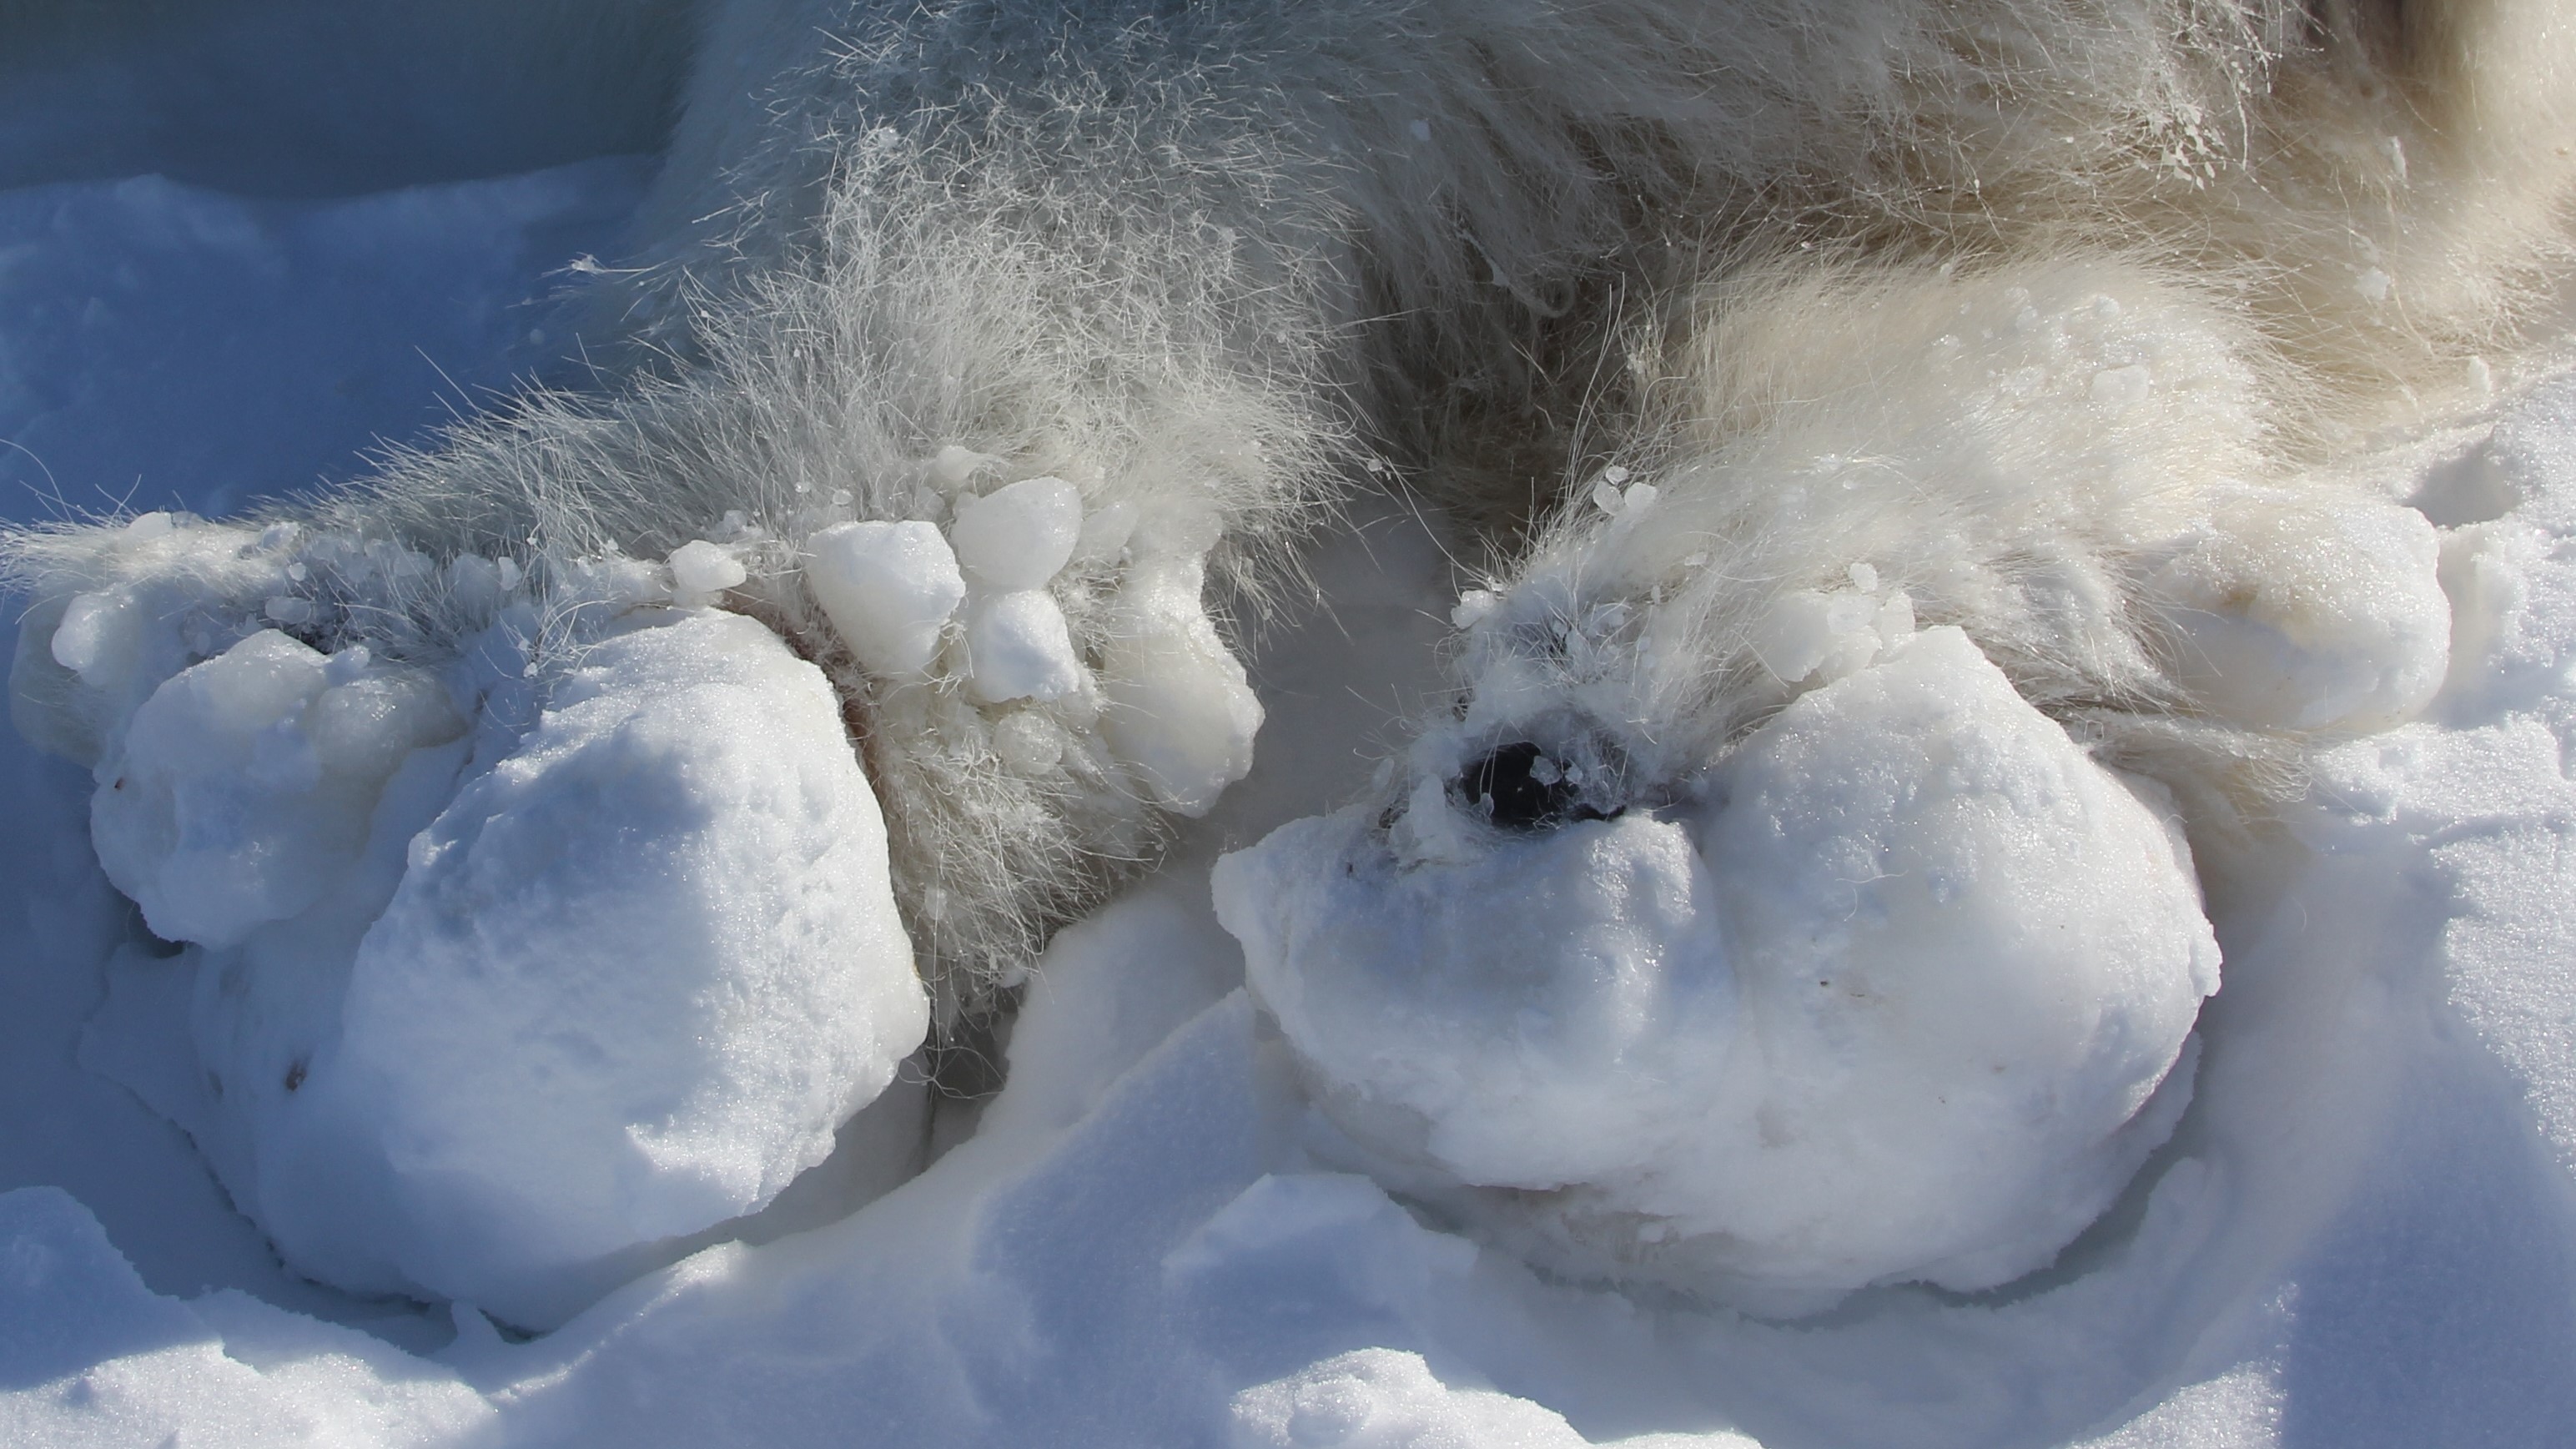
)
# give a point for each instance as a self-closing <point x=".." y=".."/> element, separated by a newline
<point x="1133" y="671"/>
<point x="632" y="978"/>
<point x="502" y="977"/>
<point x="1901" y="990"/>
<point x="452" y="1044"/>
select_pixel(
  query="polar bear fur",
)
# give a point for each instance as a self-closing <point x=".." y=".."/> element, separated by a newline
<point x="1213" y="265"/>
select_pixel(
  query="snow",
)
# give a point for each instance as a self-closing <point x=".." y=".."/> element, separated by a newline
<point x="122" y="1366"/>
<point x="246" y="782"/>
<point x="255" y="301"/>
<point x="1891" y="1001"/>
<point x="1378" y="1398"/>
<point x="2362" y="1230"/>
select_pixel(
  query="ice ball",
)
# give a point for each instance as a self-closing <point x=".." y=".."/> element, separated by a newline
<point x="1897" y="992"/>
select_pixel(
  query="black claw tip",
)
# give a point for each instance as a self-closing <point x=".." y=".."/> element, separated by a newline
<point x="1521" y="789"/>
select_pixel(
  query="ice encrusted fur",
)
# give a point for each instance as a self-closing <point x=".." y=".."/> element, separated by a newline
<point x="1198" y="260"/>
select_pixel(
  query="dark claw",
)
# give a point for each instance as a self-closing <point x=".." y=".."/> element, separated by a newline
<point x="1520" y="800"/>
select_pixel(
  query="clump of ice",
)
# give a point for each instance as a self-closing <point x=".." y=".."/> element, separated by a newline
<point x="1019" y="647"/>
<point x="1019" y="536"/>
<point x="953" y="466"/>
<point x="1012" y="543"/>
<point x="170" y="591"/>
<point x="86" y="640"/>
<point x="1824" y="635"/>
<point x="630" y="982"/>
<point x="1894" y="994"/>
<point x="1105" y="533"/>
<point x="1170" y="701"/>
<point x="1181" y="712"/>
<point x="888" y="588"/>
<point x="2307" y="614"/>
<point x="1027" y="742"/>
<point x="700" y="570"/>
<point x="495" y="1042"/>
<point x="244" y="783"/>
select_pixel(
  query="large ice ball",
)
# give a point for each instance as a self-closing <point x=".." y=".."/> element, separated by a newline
<point x="1898" y="992"/>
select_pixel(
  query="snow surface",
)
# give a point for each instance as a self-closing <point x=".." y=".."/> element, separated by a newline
<point x="2362" y="1231"/>
<point x="2333" y="637"/>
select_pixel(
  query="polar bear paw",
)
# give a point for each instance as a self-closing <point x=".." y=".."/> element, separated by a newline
<point x="1901" y="989"/>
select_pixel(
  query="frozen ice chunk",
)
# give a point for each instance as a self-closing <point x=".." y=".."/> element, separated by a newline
<point x="478" y="585"/>
<point x="632" y="979"/>
<point x="1824" y="636"/>
<point x="1028" y="743"/>
<point x="1895" y="997"/>
<point x="888" y="588"/>
<point x="90" y="637"/>
<point x="1495" y="1018"/>
<point x="1181" y="713"/>
<point x="2308" y="615"/>
<point x="1017" y="647"/>
<point x="1018" y="537"/>
<point x="701" y="568"/>
<point x="1105" y="534"/>
<point x="244" y="783"/>
<point x="953" y="466"/>
<point x="2119" y="389"/>
<point x="2007" y="951"/>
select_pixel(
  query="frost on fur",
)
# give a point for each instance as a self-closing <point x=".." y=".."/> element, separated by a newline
<point x="1872" y="385"/>
<point x="1062" y="411"/>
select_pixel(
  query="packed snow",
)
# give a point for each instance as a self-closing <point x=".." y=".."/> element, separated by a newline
<point x="244" y="784"/>
<point x="2347" y="628"/>
<point x="1900" y="997"/>
<point x="560" y="1007"/>
<point x="422" y="928"/>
